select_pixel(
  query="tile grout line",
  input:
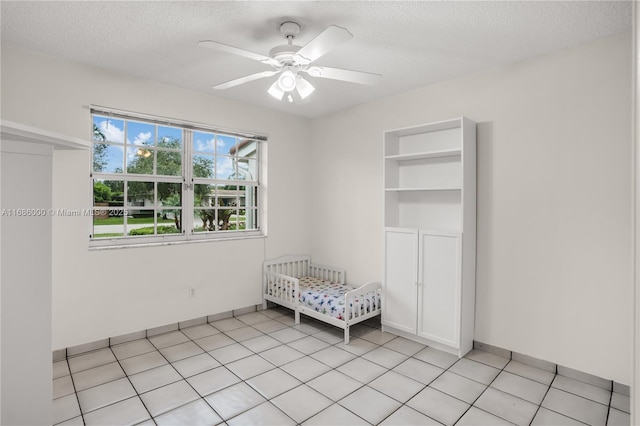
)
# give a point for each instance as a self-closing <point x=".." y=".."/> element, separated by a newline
<point x="609" y="408"/>
<point x="543" y="398"/>
<point x="75" y="392"/>
<point x="131" y="383"/>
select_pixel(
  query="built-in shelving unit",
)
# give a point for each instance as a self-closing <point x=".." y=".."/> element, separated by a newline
<point x="430" y="219"/>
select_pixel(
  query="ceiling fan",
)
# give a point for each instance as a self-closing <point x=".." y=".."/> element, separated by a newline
<point x="291" y="61"/>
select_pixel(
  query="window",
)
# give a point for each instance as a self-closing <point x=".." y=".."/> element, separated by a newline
<point x="155" y="180"/>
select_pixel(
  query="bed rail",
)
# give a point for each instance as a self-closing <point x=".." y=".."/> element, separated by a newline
<point x="363" y="301"/>
<point x="282" y="287"/>
<point x="293" y="266"/>
<point x="328" y="273"/>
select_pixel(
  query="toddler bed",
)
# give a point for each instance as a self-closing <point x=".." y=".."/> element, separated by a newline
<point x="320" y="292"/>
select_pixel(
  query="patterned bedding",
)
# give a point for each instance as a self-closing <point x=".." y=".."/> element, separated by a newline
<point x="327" y="298"/>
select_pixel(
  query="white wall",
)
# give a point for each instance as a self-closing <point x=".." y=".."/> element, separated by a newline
<point x="99" y="294"/>
<point x="25" y="271"/>
<point x="554" y="265"/>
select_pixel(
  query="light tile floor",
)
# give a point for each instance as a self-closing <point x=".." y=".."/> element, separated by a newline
<point x="260" y="368"/>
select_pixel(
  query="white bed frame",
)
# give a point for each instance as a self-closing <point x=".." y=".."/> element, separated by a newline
<point x="281" y="285"/>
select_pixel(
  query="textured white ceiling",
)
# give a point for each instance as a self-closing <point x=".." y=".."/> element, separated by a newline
<point x="411" y="44"/>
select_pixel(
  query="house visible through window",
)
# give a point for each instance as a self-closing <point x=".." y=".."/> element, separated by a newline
<point x="159" y="181"/>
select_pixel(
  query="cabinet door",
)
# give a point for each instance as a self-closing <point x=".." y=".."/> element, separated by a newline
<point x="400" y="279"/>
<point x="439" y="283"/>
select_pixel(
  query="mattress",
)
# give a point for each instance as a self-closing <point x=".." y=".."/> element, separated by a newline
<point x="326" y="297"/>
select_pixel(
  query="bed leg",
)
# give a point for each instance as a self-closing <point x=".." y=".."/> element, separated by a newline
<point x="297" y="315"/>
<point x="346" y="336"/>
<point x="264" y="305"/>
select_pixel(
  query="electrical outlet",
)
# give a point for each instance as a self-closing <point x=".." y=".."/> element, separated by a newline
<point x="192" y="292"/>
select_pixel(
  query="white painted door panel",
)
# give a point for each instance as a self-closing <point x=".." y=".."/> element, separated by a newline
<point x="439" y="287"/>
<point x="399" y="299"/>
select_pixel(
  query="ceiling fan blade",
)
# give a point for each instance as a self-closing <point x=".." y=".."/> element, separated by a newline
<point x="245" y="79"/>
<point x="359" y="77"/>
<point x="327" y="40"/>
<point x="237" y="51"/>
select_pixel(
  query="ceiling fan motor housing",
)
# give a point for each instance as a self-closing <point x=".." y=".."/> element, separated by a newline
<point x="284" y="54"/>
<point x="289" y="29"/>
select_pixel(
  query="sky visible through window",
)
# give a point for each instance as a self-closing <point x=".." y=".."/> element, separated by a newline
<point x="139" y="134"/>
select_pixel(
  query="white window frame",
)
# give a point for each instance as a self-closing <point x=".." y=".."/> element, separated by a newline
<point x="187" y="180"/>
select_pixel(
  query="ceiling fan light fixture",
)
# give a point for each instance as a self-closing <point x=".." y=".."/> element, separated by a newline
<point x="287" y="81"/>
<point x="304" y="88"/>
<point x="275" y="91"/>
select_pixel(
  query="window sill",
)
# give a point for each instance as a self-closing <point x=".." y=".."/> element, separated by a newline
<point x="119" y="245"/>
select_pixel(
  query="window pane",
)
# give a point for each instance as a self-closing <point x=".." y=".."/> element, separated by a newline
<point x="140" y="194"/>
<point x="203" y="195"/>
<point x="224" y="217"/>
<point x="140" y="160"/>
<point x="108" y="192"/>
<point x="234" y="220"/>
<point x="226" y="145"/>
<point x="171" y="218"/>
<point x="225" y="169"/>
<point x="247" y="148"/>
<point x="108" y="130"/>
<point x="141" y="223"/>
<point x="169" y="163"/>
<point x="169" y="137"/>
<point x="203" y="142"/>
<point x="248" y="169"/>
<point x="227" y="196"/>
<point x="203" y="166"/>
<point x="107" y="227"/>
<point x="250" y="218"/>
<point x="108" y="158"/>
<point x="140" y="133"/>
<point x="170" y="195"/>
<point x="204" y="220"/>
<point x="168" y="228"/>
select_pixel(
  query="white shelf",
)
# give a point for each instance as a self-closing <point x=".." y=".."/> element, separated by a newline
<point x="426" y="155"/>
<point x="426" y="128"/>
